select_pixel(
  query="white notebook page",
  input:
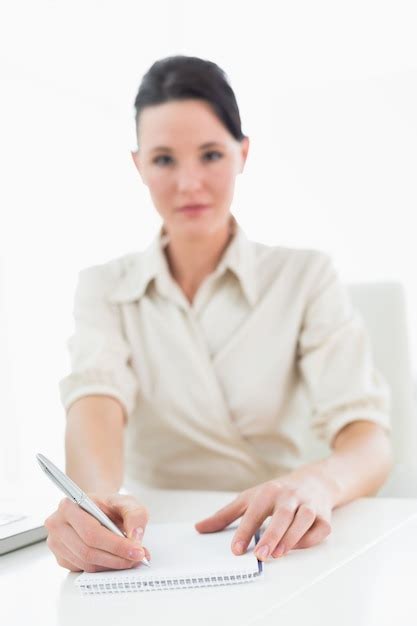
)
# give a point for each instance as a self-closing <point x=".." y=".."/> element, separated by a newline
<point x="179" y="553"/>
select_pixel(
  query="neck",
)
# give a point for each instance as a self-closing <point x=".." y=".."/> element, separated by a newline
<point x="192" y="260"/>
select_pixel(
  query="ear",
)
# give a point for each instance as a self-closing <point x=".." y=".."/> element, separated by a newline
<point x="136" y="161"/>
<point x="244" y="149"/>
<point x="135" y="157"/>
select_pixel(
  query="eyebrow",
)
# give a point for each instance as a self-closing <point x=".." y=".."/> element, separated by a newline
<point x="204" y="145"/>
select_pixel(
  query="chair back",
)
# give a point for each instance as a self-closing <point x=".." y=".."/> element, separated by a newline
<point x="383" y="309"/>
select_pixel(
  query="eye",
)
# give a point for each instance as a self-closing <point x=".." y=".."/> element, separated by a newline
<point x="219" y="154"/>
<point x="164" y="156"/>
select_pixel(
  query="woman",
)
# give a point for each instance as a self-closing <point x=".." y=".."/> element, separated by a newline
<point x="209" y="353"/>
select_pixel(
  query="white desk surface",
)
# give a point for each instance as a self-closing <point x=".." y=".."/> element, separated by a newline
<point x="364" y="573"/>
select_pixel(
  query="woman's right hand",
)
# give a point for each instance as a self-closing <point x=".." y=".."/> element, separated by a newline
<point x="80" y="543"/>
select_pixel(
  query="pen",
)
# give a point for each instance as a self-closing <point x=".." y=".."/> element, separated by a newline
<point x="78" y="496"/>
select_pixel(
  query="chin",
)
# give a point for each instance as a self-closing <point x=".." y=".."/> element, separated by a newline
<point x="203" y="226"/>
<point x="194" y="231"/>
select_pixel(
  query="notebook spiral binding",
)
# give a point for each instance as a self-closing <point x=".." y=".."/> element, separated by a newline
<point x="155" y="584"/>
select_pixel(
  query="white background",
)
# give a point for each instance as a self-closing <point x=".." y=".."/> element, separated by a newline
<point x="327" y="92"/>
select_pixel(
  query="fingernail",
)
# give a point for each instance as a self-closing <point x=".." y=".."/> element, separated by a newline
<point x="239" y="546"/>
<point x="263" y="552"/>
<point x="136" y="554"/>
<point x="137" y="534"/>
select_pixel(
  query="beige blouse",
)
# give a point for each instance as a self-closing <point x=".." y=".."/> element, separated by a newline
<point x="227" y="392"/>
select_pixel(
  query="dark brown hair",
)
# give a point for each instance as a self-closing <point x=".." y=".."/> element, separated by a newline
<point x="186" y="77"/>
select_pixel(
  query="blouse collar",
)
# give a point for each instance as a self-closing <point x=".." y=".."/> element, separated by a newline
<point x="151" y="264"/>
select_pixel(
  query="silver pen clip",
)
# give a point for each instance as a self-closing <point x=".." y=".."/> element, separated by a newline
<point x="60" y="479"/>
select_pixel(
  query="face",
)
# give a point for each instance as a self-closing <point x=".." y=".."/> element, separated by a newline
<point x="187" y="157"/>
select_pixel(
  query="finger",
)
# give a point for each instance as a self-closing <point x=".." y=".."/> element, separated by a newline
<point x="90" y="556"/>
<point x="72" y="564"/>
<point x="304" y="518"/>
<point x="94" y="535"/>
<point x="256" y="513"/>
<point x="66" y="558"/>
<point x="316" y="534"/>
<point x="63" y="555"/>
<point x="223" y="517"/>
<point x="134" y="515"/>
<point x="281" y="520"/>
<point x="68" y="565"/>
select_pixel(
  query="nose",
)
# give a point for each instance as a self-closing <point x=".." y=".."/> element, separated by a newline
<point x="189" y="178"/>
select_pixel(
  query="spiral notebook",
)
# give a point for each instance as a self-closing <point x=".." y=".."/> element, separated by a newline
<point x="180" y="557"/>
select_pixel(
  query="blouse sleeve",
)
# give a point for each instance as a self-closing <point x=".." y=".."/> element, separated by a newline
<point x="99" y="352"/>
<point x="336" y="361"/>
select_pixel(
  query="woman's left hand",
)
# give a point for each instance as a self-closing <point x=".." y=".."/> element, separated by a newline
<point x="300" y="506"/>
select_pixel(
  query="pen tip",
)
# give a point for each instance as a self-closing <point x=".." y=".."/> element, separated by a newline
<point x="145" y="561"/>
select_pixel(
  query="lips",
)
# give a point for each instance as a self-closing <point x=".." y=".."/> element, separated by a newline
<point x="193" y="207"/>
